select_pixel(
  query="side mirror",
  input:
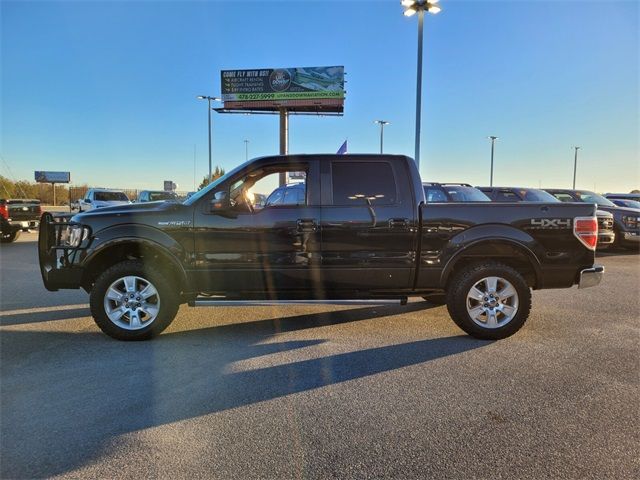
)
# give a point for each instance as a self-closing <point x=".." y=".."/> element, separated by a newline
<point x="88" y="200"/>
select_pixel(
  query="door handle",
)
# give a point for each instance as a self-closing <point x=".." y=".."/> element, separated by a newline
<point x="400" y="223"/>
<point x="306" y="225"/>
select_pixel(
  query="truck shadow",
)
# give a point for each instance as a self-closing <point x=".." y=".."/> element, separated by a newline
<point x="67" y="397"/>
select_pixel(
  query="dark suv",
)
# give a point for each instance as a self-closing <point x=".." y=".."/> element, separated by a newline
<point x="606" y="234"/>
<point x="626" y="220"/>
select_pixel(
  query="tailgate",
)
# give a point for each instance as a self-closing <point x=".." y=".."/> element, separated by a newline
<point x="23" y="210"/>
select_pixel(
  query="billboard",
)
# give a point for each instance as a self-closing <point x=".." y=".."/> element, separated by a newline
<point x="52" y="177"/>
<point x="300" y="88"/>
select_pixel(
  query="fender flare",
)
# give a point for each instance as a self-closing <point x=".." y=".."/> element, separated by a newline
<point x="485" y="235"/>
<point x="147" y="237"/>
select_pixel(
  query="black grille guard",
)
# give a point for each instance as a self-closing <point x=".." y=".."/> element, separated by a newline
<point x="49" y="239"/>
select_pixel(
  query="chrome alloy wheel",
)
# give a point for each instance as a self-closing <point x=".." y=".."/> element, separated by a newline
<point x="492" y="302"/>
<point x="132" y="303"/>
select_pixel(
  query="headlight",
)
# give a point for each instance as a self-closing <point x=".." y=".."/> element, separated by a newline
<point x="72" y="236"/>
<point x="631" y="221"/>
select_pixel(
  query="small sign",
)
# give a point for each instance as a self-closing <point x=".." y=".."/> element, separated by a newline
<point x="169" y="186"/>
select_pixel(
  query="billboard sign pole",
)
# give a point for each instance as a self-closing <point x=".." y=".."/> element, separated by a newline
<point x="52" y="178"/>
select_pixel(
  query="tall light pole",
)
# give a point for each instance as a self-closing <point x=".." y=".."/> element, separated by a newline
<point x="209" y="99"/>
<point x="575" y="166"/>
<point x="382" y="123"/>
<point x="412" y="7"/>
<point x="246" y="150"/>
<point x="493" y="143"/>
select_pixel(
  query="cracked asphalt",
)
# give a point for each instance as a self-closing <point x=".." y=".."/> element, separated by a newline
<point x="320" y="391"/>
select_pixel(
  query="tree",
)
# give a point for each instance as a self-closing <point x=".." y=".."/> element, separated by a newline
<point x="634" y="191"/>
<point x="217" y="173"/>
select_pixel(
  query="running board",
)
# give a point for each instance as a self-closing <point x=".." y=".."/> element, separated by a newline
<point x="206" y="302"/>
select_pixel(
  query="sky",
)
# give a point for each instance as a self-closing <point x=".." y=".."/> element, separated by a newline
<point x="107" y="90"/>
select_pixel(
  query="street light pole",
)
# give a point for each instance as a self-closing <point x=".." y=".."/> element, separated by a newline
<point x="209" y="99"/>
<point x="411" y="8"/>
<point x="246" y="150"/>
<point x="382" y="123"/>
<point x="575" y="166"/>
<point x="493" y="142"/>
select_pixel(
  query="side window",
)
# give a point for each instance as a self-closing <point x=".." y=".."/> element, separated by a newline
<point x="355" y="183"/>
<point x="507" y="196"/>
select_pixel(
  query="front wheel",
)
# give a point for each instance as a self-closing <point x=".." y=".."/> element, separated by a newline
<point x="10" y="237"/>
<point x="133" y="301"/>
<point x="490" y="301"/>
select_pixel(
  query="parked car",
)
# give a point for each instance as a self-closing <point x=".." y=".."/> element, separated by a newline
<point x="363" y="232"/>
<point x="100" y="198"/>
<point x="155" y="196"/>
<point x="606" y="233"/>
<point x="623" y="196"/>
<point x="621" y="202"/>
<point x="626" y="221"/>
<point x="21" y="213"/>
<point x="452" y="192"/>
<point x="290" y="194"/>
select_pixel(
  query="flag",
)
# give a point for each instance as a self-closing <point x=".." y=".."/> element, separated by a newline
<point x="343" y="149"/>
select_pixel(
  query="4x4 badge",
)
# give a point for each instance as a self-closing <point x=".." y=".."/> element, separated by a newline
<point x="551" y="222"/>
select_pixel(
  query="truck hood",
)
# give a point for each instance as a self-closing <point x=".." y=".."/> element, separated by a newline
<point x="126" y="210"/>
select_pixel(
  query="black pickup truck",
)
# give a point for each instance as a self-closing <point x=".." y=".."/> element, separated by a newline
<point x="364" y="231"/>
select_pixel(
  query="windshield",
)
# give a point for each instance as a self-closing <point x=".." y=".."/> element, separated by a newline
<point x="535" y="195"/>
<point x="626" y="203"/>
<point x="110" y="197"/>
<point x="590" y="197"/>
<point x="201" y="193"/>
<point x="461" y="193"/>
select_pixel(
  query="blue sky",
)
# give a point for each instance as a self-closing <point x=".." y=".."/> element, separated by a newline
<point x="107" y="89"/>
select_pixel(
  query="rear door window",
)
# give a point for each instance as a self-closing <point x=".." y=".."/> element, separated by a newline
<point x="354" y="183"/>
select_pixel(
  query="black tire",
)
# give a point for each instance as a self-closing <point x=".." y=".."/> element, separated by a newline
<point x="11" y="237"/>
<point x="462" y="282"/>
<point x="436" y="298"/>
<point x="168" y="294"/>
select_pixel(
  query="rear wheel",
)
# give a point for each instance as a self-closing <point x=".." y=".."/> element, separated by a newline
<point x="133" y="301"/>
<point x="490" y="301"/>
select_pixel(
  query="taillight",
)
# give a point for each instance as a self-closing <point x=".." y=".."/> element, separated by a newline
<point x="586" y="230"/>
<point x="4" y="213"/>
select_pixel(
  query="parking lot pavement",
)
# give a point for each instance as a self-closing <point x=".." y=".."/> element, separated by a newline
<point x="320" y="391"/>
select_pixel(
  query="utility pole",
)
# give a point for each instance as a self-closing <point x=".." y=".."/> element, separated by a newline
<point x="246" y="150"/>
<point x="575" y="166"/>
<point x="493" y="139"/>
<point x="382" y="123"/>
<point x="209" y="99"/>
